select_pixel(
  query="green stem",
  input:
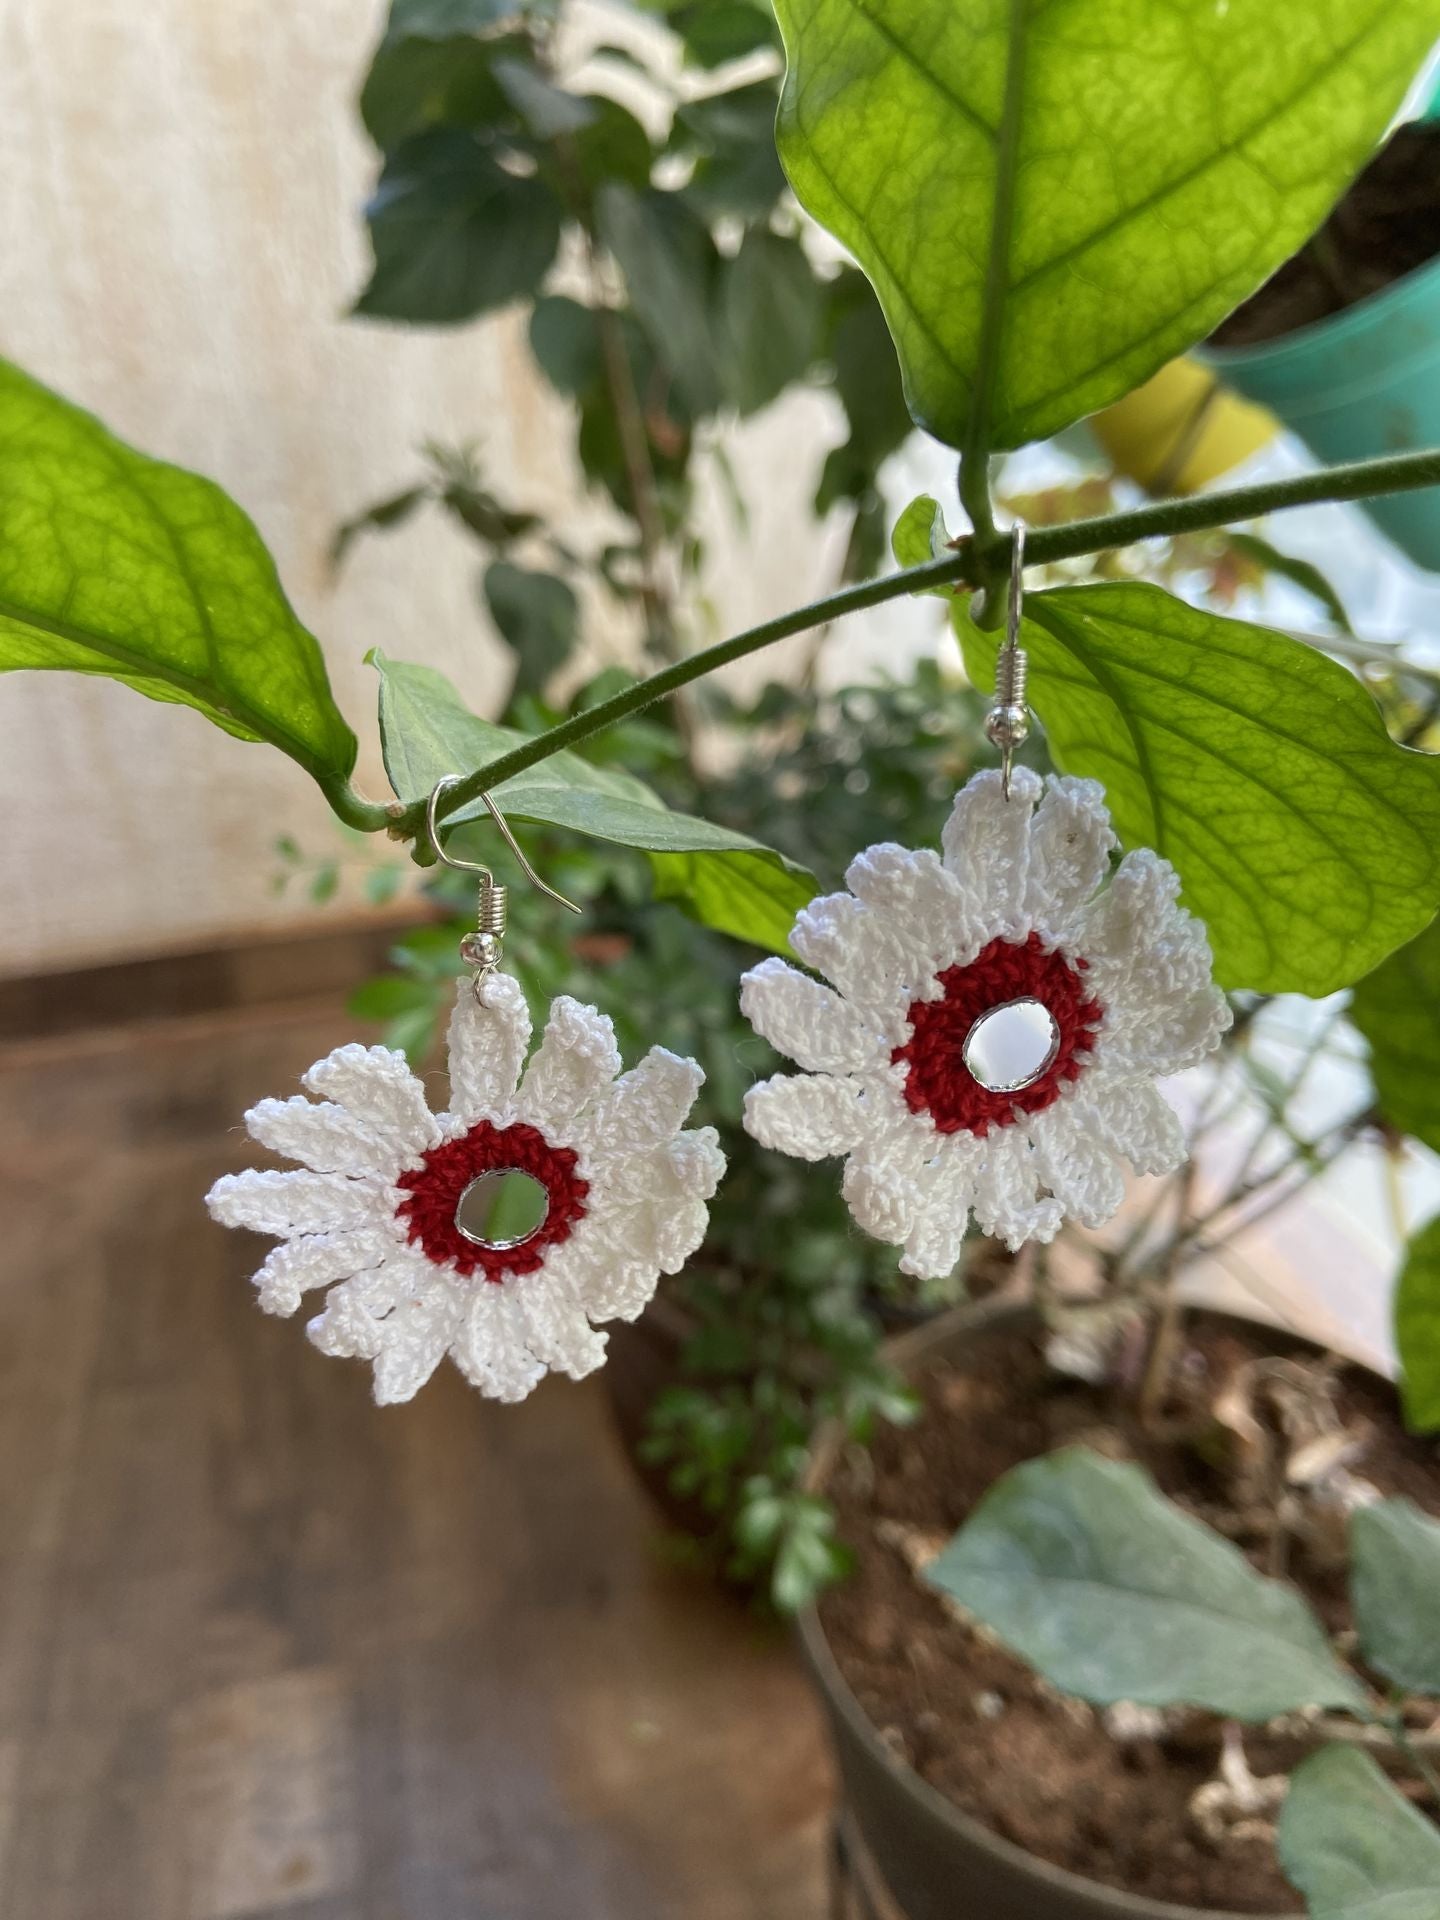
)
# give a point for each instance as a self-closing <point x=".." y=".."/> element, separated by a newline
<point x="366" y="816"/>
<point x="1363" y="480"/>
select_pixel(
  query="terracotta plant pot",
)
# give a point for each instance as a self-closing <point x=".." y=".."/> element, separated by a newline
<point x="936" y="1862"/>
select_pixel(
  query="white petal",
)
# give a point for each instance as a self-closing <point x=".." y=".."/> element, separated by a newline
<point x="1149" y="964"/>
<point x="1134" y="1118"/>
<point x="489" y="1033"/>
<point x="807" y="1022"/>
<point x="809" y="1115"/>
<point x="922" y="908"/>
<point x="556" y="1330"/>
<point x="643" y="1108"/>
<point x="316" y="1260"/>
<point x="575" y="1059"/>
<point x="1075" y="1163"/>
<point x="291" y="1203"/>
<point x="490" y="1346"/>
<point x="884" y="1199"/>
<point x="1070" y="844"/>
<point x="325" y="1137"/>
<point x="840" y="937"/>
<point x="414" y="1339"/>
<point x="608" y="1264"/>
<point x="986" y="844"/>
<point x="378" y="1088"/>
<point x="947" y="1190"/>
<point x="697" y="1162"/>
<point x="1007" y="1198"/>
<point x="352" y="1325"/>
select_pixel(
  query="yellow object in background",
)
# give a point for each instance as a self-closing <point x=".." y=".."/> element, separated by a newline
<point x="1181" y="430"/>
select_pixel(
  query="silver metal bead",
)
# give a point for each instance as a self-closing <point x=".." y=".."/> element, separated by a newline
<point x="481" y="950"/>
<point x="1007" y="726"/>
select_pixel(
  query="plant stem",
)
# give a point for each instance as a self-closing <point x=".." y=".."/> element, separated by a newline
<point x="366" y="816"/>
<point x="1362" y="480"/>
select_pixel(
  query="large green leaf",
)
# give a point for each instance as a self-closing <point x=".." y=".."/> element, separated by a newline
<point x="1087" y="1571"/>
<point x="1395" y="1592"/>
<point x="1305" y="839"/>
<point x="1397" y="1008"/>
<point x="728" y="880"/>
<point x="1354" y="1846"/>
<point x="1416" y="1312"/>
<point x="455" y="234"/>
<point x="1052" y="202"/>
<point x="113" y="563"/>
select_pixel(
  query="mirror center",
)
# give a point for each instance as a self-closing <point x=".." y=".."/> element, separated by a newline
<point x="1010" y="1046"/>
<point x="501" y="1208"/>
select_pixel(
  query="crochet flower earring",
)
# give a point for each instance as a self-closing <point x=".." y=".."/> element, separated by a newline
<point x="997" y="1016"/>
<point x="499" y="1230"/>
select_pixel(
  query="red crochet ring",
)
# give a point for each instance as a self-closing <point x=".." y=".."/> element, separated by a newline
<point x="938" y="1081"/>
<point x="435" y="1188"/>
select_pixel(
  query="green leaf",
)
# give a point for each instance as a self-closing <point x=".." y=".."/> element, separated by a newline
<point x="1416" y="1311"/>
<point x="613" y="146"/>
<point x="1354" y="1846"/>
<point x="771" y="305"/>
<point x="1397" y="1009"/>
<point x="1300" y="573"/>
<point x="1051" y="210"/>
<point x="1395" y="1592"/>
<point x="547" y="110"/>
<point x="455" y="234"/>
<point x="426" y="732"/>
<point x="737" y="171"/>
<point x="417" y="82"/>
<point x="113" y="563"/>
<point x="717" y="31"/>
<point x="565" y="341"/>
<point x="754" y="896"/>
<point x="921" y="535"/>
<point x="1304" y="838"/>
<point x="537" y="617"/>
<point x="669" y="261"/>
<point x="1087" y="1571"/>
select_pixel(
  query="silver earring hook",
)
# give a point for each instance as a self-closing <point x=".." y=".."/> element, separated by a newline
<point x="1007" y="724"/>
<point x="481" y="949"/>
<point x="487" y="878"/>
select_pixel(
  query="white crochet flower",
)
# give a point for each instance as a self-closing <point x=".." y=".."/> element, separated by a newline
<point x="917" y="951"/>
<point x="374" y="1217"/>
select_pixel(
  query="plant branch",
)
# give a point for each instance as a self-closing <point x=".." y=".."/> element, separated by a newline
<point x="1363" y="480"/>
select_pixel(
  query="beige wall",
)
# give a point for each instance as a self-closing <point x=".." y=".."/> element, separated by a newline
<point x="179" y="185"/>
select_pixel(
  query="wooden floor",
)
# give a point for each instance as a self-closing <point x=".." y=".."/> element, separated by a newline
<point x="266" y="1649"/>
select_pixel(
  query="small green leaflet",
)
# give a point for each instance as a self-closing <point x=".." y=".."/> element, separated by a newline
<point x="726" y="879"/>
<point x="1305" y="839"/>
<point x="1395" y="1592"/>
<point x="115" y="564"/>
<point x="1353" y="1846"/>
<point x="920" y="535"/>
<point x="1087" y="1571"/>
<point x="1416" y="1312"/>
<point x="1052" y="207"/>
<point x="1397" y="1008"/>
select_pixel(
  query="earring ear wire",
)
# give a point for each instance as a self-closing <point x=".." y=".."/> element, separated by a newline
<point x="482" y="948"/>
<point x="1007" y="725"/>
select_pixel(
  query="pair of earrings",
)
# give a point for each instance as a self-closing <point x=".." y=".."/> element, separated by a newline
<point x="988" y="1044"/>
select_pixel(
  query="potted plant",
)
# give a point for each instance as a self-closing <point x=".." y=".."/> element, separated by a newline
<point x="1343" y="343"/>
<point x="1047" y="216"/>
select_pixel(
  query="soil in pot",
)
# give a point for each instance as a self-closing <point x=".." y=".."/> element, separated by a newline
<point x="976" y="1723"/>
<point x="1386" y="226"/>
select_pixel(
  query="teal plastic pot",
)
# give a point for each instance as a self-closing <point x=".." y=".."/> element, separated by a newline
<point x="1357" y="385"/>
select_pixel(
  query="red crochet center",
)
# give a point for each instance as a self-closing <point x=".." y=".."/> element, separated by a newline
<point x="435" y="1188"/>
<point x="939" y="1082"/>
